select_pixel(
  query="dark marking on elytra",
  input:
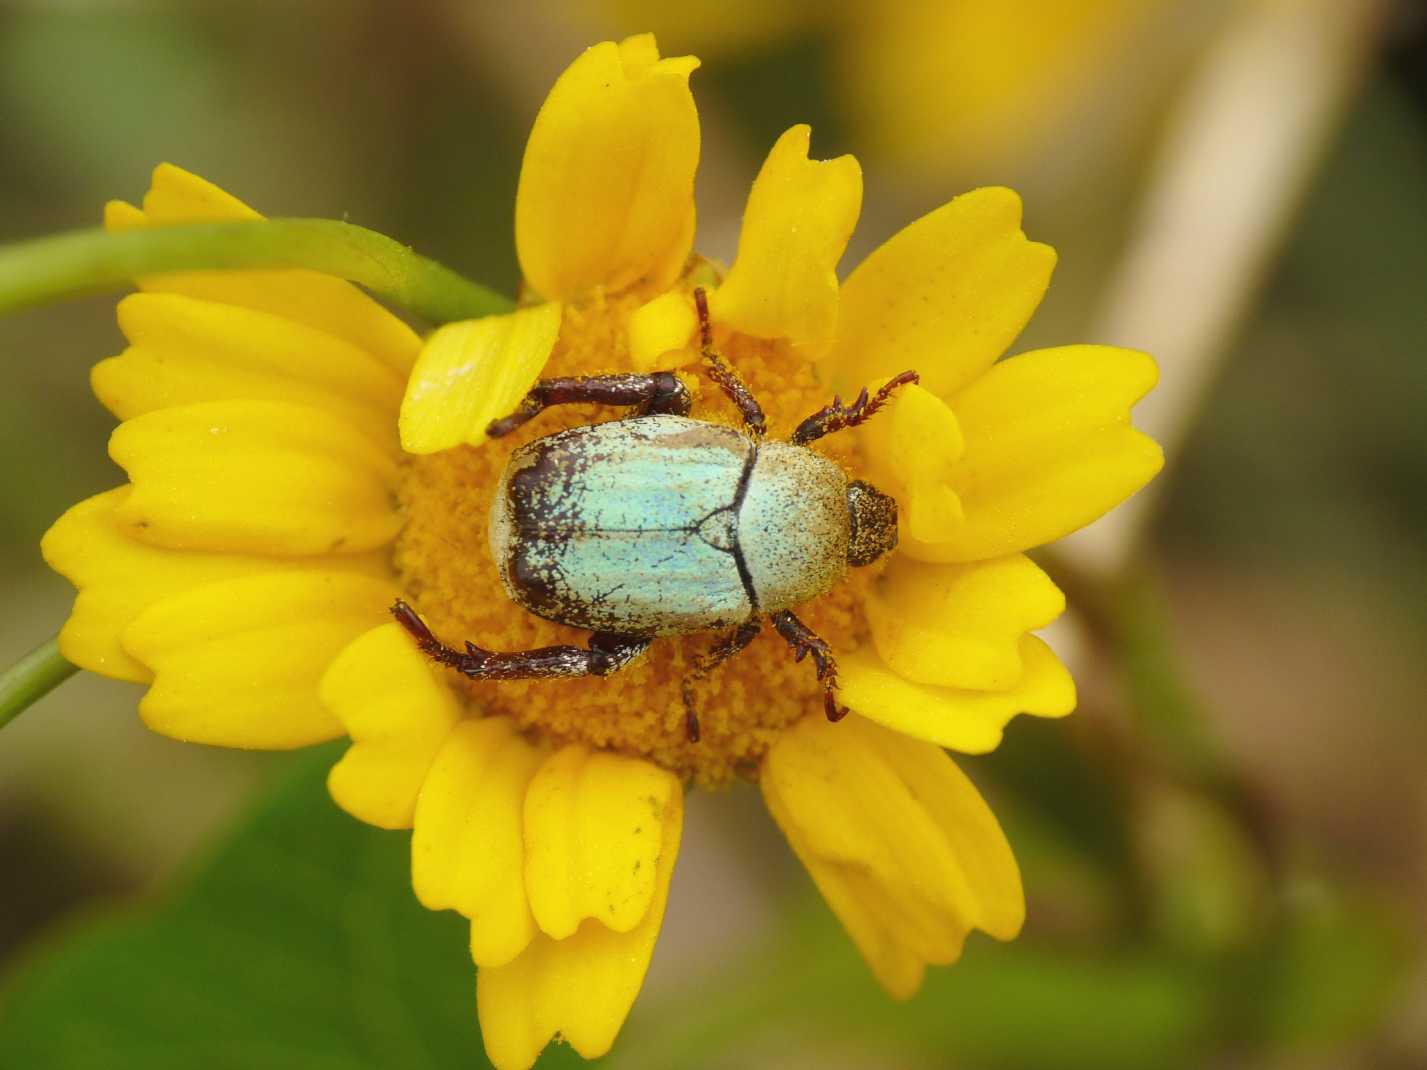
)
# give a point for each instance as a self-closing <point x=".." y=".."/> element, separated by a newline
<point x="536" y="583"/>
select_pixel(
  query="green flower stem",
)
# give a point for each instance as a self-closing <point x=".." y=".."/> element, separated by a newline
<point x="32" y="678"/>
<point x="86" y="261"/>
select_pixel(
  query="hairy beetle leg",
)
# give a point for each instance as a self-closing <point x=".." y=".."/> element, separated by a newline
<point x="720" y="372"/>
<point x="836" y="416"/>
<point x="733" y="643"/>
<point x="607" y="652"/>
<point x="805" y="641"/>
<point x="658" y="393"/>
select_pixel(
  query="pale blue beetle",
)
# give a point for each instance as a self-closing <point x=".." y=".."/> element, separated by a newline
<point x="659" y="524"/>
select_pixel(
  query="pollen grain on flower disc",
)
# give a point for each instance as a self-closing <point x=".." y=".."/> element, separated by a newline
<point x="445" y="564"/>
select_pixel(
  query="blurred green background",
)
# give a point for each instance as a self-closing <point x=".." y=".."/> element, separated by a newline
<point x="1225" y="850"/>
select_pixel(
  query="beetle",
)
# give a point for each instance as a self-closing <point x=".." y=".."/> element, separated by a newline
<point x="659" y="524"/>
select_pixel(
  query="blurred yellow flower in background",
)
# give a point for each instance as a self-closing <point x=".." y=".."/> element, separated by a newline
<point x="297" y="459"/>
<point x="988" y="79"/>
<point x="932" y="86"/>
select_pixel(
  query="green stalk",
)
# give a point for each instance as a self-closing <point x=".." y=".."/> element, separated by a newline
<point x="86" y="261"/>
<point x="32" y="678"/>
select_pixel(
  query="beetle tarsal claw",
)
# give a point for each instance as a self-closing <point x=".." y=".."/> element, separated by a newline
<point x="836" y="416"/>
<point x="803" y="641"/>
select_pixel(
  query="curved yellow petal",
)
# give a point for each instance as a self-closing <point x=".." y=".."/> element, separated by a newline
<point x="120" y="216"/>
<point x="182" y="351"/>
<point x="473" y="372"/>
<point x="1049" y="448"/>
<point x="594" y="824"/>
<point x="119" y="577"/>
<point x="911" y="448"/>
<point x="944" y="296"/>
<point x="398" y="711"/>
<point x="265" y="477"/>
<point x="582" y="987"/>
<point x="799" y="217"/>
<point x="321" y="301"/>
<point x="179" y="196"/>
<point x="237" y="663"/>
<point x="468" y="844"/>
<point x="964" y="720"/>
<point x="660" y="330"/>
<point x="960" y="625"/>
<point x="606" y="195"/>
<point x="897" y="839"/>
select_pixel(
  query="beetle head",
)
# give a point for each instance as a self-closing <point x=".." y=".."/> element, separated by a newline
<point x="873" y="523"/>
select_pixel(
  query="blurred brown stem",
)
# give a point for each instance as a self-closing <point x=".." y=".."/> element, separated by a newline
<point x="1231" y="173"/>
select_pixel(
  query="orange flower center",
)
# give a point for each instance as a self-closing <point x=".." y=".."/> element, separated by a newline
<point x="445" y="564"/>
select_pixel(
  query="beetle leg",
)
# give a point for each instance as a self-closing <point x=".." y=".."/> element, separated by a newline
<point x="707" y="662"/>
<point x="805" y="641"/>
<point x="720" y="372"/>
<point x="836" y="416"/>
<point x="658" y="393"/>
<point x="607" y="652"/>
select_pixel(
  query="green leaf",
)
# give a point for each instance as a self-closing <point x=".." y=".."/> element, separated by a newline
<point x="1331" y="978"/>
<point x="297" y="945"/>
<point x="1017" y="1006"/>
<point x="1025" y="1006"/>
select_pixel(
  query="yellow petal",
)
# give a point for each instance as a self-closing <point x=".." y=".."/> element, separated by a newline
<point x="321" y="301"/>
<point x="911" y="447"/>
<point x="120" y="216"/>
<point x="582" y="987"/>
<point x="606" y="194"/>
<point x="265" y="477"/>
<point x="237" y="663"/>
<point x="398" y="711"/>
<point x="593" y="837"/>
<point x="800" y="215"/>
<point x="179" y="196"/>
<point x="945" y="296"/>
<point x="473" y="372"/>
<point x="964" y="720"/>
<point x="960" y="625"/>
<point x="1049" y="448"/>
<point x="897" y="839"/>
<point x="468" y="847"/>
<point x="119" y="577"/>
<point x="660" y="330"/>
<point x="184" y="351"/>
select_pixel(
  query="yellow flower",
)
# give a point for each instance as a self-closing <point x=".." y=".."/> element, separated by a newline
<point x="244" y="573"/>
